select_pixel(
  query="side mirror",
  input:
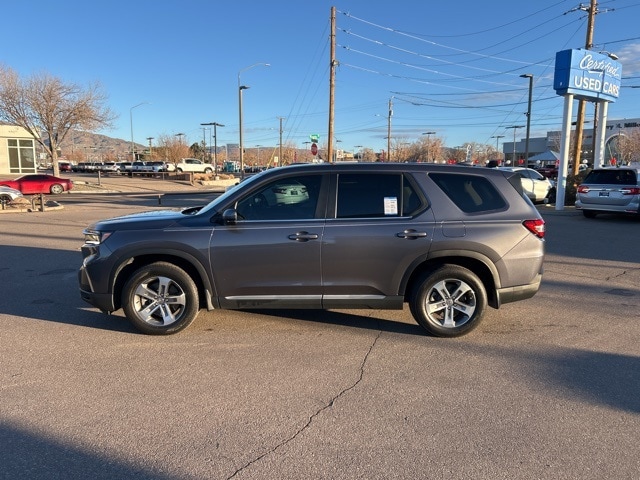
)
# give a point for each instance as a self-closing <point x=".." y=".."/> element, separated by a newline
<point x="230" y="216"/>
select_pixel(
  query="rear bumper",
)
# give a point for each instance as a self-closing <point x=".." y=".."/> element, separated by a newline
<point x="520" y="292"/>
<point x="631" y="207"/>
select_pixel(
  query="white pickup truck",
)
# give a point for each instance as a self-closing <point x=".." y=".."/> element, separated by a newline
<point x="193" y="165"/>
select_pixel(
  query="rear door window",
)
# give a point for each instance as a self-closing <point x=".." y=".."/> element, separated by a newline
<point x="375" y="195"/>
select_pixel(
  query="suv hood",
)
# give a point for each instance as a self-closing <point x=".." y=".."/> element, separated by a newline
<point x="134" y="221"/>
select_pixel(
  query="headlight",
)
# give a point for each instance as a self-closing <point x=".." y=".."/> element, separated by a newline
<point x="95" y="237"/>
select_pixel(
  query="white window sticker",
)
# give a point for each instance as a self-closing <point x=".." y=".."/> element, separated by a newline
<point x="390" y="205"/>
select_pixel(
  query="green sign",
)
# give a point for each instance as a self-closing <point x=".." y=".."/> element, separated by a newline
<point x="314" y="137"/>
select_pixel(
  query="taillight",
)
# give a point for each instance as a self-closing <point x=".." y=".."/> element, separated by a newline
<point x="535" y="226"/>
<point x="583" y="189"/>
<point x="630" y="191"/>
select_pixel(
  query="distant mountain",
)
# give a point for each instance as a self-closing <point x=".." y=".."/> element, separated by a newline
<point x="79" y="145"/>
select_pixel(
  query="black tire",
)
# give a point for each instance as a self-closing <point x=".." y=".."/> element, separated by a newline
<point x="434" y="307"/>
<point x="5" y="199"/>
<point x="589" y="213"/>
<point x="551" y="196"/>
<point x="56" y="189"/>
<point x="160" y="299"/>
<point x="179" y="170"/>
<point x="208" y="170"/>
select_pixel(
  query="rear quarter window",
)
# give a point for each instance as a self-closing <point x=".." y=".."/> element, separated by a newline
<point x="470" y="193"/>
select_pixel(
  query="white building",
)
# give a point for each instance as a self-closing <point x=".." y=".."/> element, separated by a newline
<point x="614" y="130"/>
<point x="17" y="150"/>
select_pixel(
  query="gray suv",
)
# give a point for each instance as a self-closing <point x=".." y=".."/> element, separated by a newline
<point x="448" y="240"/>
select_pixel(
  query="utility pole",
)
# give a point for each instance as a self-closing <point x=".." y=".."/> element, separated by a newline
<point x="280" y="144"/>
<point x="389" y="129"/>
<point x="332" y="83"/>
<point x="592" y="10"/>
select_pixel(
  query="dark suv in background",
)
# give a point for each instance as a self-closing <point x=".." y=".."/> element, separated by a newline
<point x="447" y="240"/>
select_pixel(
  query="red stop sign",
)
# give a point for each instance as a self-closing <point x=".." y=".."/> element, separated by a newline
<point x="314" y="148"/>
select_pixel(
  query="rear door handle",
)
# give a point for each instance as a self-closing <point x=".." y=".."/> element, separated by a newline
<point x="303" y="236"/>
<point x="411" y="234"/>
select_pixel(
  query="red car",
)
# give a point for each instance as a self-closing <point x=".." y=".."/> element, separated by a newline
<point x="39" y="183"/>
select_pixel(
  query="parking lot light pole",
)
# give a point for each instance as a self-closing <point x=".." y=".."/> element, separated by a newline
<point x="215" y="145"/>
<point x="497" y="137"/>
<point x="240" y="144"/>
<point x="526" y="147"/>
<point x="133" y="152"/>
<point x="215" y="142"/>
<point x="428" y="134"/>
<point x="515" y="127"/>
<point x="240" y="89"/>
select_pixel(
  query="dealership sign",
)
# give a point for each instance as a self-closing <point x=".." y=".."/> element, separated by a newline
<point x="587" y="75"/>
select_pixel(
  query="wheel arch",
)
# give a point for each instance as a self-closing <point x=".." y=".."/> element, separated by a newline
<point x="187" y="263"/>
<point x="486" y="272"/>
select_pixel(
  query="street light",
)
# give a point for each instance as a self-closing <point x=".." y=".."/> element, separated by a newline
<point x="428" y="134"/>
<point x="360" y="153"/>
<point x="258" y="147"/>
<point x="204" y="143"/>
<point x="215" y="142"/>
<point x="515" y="127"/>
<point x="526" y="147"/>
<point x="240" y="89"/>
<point x="133" y="152"/>
<point x="150" y="147"/>
<point x="336" y="152"/>
<point x="497" y="137"/>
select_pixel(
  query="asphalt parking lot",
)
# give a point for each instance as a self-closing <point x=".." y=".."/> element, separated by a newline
<point x="547" y="388"/>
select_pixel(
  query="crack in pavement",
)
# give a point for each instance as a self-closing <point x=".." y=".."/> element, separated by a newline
<point x="316" y="414"/>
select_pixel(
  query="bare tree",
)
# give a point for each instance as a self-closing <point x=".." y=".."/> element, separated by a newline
<point x="367" y="155"/>
<point x="628" y="146"/>
<point x="171" y="148"/>
<point x="47" y="107"/>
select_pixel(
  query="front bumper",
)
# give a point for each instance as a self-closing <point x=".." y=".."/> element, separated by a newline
<point x="102" y="301"/>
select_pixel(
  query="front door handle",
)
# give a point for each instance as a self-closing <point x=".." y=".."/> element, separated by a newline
<point x="303" y="236"/>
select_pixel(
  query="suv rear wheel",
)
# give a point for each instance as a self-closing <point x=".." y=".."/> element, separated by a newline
<point x="449" y="301"/>
<point x="160" y="299"/>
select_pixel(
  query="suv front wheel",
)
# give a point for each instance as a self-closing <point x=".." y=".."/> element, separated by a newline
<point x="449" y="301"/>
<point x="160" y="299"/>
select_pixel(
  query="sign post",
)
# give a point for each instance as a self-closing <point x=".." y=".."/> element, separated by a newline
<point x="585" y="75"/>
